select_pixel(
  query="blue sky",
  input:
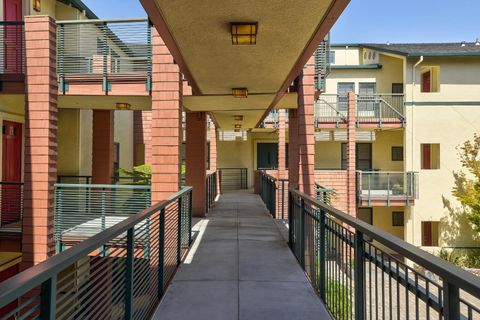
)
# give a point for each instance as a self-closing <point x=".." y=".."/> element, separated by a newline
<point x="369" y="20"/>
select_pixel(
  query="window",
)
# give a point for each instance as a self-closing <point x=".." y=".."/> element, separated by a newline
<point x="430" y="154"/>
<point x="363" y="156"/>
<point x="267" y="156"/>
<point x="331" y="57"/>
<point x="398" y="219"/>
<point x="397" y="153"/>
<point x="430" y="233"/>
<point x="397" y="88"/>
<point x="430" y="79"/>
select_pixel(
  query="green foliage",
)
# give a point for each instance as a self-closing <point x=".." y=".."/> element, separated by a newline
<point x="340" y="296"/>
<point x="467" y="184"/>
<point x="141" y="174"/>
<point x="451" y="256"/>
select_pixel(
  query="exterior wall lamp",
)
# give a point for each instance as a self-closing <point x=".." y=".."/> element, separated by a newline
<point x="37" y="5"/>
<point x="123" y="106"/>
<point x="240" y="92"/>
<point x="244" y="33"/>
<point x="238" y="117"/>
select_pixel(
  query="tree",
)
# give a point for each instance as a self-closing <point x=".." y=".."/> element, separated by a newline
<point x="467" y="184"/>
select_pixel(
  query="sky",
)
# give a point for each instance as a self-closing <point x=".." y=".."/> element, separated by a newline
<point x="367" y="21"/>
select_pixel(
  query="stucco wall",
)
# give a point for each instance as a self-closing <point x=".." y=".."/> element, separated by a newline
<point x="68" y="139"/>
<point x="124" y="136"/>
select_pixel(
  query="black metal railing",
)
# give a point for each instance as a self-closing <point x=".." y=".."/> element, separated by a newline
<point x="120" y="273"/>
<point x="323" y="194"/>
<point x="233" y="178"/>
<point x="382" y="278"/>
<point x="122" y="180"/>
<point x="212" y="189"/>
<point x="268" y="192"/>
<point x="12" y="51"/>
<point x="11" y="206"/>
<point x="104" y="50"/>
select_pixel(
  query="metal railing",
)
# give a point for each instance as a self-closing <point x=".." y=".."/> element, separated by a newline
<point x="104" y="50"/>
<point x="385" y="278"/>
<point x="322" y="64"/>
<point x="383" y="185"/>
<point x="84" y="210"/>
<point x="120" y="273"/>
<point x="12" y="50"/>
<point x="271" y="121"/>
<point x="212" y="189"/>
<point x="11" y="206"/>
<point x="323" y="194"/>
<point x="233" y="178"/>
<point x="72" y="179"/>
<point x="377" y="108"/>
<point x="268" y="192"/>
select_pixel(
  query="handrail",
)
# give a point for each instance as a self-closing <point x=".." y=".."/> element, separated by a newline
<point x="447" y="271"/>
<point x="33" y="277"/>
<point x="94" y="21"/>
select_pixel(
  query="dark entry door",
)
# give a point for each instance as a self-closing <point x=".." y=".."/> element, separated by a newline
<point x="267" y="156"/>
<point x="364" y="156"/>
<point x="11" y="172"/>
<point x="12" y="37"/>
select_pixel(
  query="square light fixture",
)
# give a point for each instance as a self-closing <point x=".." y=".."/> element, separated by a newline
<point x="240" y="92"/>
<point x="244" y="33"/>
<point x="123" y="106"/>
<point x="238" y="117"/>
<point x="236" y="130"/>
<point x="37" y="5"/>
<point x="238" y="126"/>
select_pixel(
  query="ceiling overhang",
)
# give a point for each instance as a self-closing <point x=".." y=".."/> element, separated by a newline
<point x="197" y="34"/>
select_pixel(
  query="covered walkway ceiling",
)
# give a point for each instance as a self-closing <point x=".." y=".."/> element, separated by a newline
<point x="198" y="35"/>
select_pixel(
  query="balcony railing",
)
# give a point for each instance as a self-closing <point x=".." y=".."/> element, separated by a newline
<point x="12" y="50"/>
<point x="384" y="278"/>
<point x="84" y="210"/>
<point x="378" y="109"/>
<point x="120" y="273"/>
<point x="211" y="186"/>
<point x="105" y="51"/>
<point x="387" y="186"/>
<point x="271" y="121"/>
<point x="323" y="194"/>
<point x="233" y="178"/>
<point x="11" y="207"/>
<point x="268" y="192"/>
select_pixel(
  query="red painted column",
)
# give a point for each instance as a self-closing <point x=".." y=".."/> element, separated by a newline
<point x="103" y="146"/>
<point x="306" y="128"/>
<point x="142" y="136"/>
<point x="293" y="159"/>
<point x="40" y="171"/>
<point x="166" y="122"/>
<point x="351" y="155"/>
<point x="195" y="158"/>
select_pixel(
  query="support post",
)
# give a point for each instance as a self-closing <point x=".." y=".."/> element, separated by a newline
<point x="351" y="156"/>
<point x="359" y="276"/>
<point x="103" y="147"/>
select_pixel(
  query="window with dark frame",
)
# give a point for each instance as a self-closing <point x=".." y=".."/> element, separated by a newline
<point x="397" y="153"/>
<point x="398" y="219"/>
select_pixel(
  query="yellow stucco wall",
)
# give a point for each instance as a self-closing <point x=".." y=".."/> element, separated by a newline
<point x="124" y="136"/>
<point x="382" y="218"/>
<point x="382" y="150"/>
<point x="68" y="141"/>
<point x="328" y="155"/>
<point x="236" y="154"/>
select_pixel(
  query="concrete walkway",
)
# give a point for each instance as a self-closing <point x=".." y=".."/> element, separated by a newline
<point x="240" y="267"/>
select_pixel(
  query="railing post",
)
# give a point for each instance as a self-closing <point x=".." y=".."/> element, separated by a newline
<point x="302" y="233"/>
<point x="290" y="220"/>
<point x="323" y="278"/>
<point x="58" y="218"/>
<point x="190" y="217"/>
<point x="388" y="189"/>
<point x="105" y="58"/>
<point x="179" y="231"/>
<point x="61" y="57"/>
<point x="359" y="279"/>
<point x="48" y="299"/>
<point x="149" y="54"/>
<point x="103" y="209"/>
<point x="129" y="275"/>
<point x="161" y="253"/>
<point x="451" y="301"/>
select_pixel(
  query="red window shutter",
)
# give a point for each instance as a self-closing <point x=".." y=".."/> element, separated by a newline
<point x="427" y="233"/>
<point x="426" y="81"/>
<point x="426" y="156"/>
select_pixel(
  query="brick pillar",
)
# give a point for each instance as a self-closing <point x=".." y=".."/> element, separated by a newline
<point x="195" y="158"/>
<point x="213" y="146"/>
<point x="40" y="140"/>
<point x="293" y="159"/>
<point x="166" y="122"/>
<point x="351" y="156"/>
<point x="142" y="136"/>
<point x="103" y="146"/>
<point x="306" y="129"/>
<point x="282" y="128"/>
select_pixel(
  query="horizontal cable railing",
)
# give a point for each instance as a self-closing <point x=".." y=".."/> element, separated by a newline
<point x="81" y="211"/>
<point x="212" y="189"/>
<point x="12" y="50"/>
<point x="233" y="178"/>
<point x="120" y="273"/>
<point x="323" y="194"/>
<point x="124" y="180"/>
<point x="104" y="50"/>
<point x="381" y="185"/>
<point x="383" y="277"/>
<point x="11" y="206"/>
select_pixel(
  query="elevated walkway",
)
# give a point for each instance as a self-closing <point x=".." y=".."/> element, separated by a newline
<point x="240" y="267"/>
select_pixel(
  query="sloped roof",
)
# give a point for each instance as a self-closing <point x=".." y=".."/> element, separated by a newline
<point x="427" y="49"/>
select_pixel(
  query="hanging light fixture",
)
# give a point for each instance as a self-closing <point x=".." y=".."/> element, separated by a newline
<point x="240" y="92"/>
<point x="244" y="33"/>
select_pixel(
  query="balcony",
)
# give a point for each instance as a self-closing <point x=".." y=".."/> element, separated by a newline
<point x="379" y="110"/>
<point x="11" y="208"/>
<point x="12" y="57"/>
<point x="378" y="188"/>
<point x="113" y="55"/>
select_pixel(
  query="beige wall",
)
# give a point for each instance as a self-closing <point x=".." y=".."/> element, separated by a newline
<point x="346" y="56"/>
<point x="382" y="218"/>
<point x="382" y="150"/>
<point x="68" y="139"/>
<point x="328" y="155"/>
<point x="236" y="154"/>
<point x="124" y="136"/>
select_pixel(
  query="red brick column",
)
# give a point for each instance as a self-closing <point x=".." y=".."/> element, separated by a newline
<point x="142" y="136"/>
<point x="195" y="155"/>
<point x="306" y="128"/>
<point x="351" y="155"/>
<point x="213" y="146"/>
<point x="293" y="159"/>
<point x="40" y="140"/>
<point x="282" y="128"/>
<point x="103" y="146"/>
<point x="166" y="122"/>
